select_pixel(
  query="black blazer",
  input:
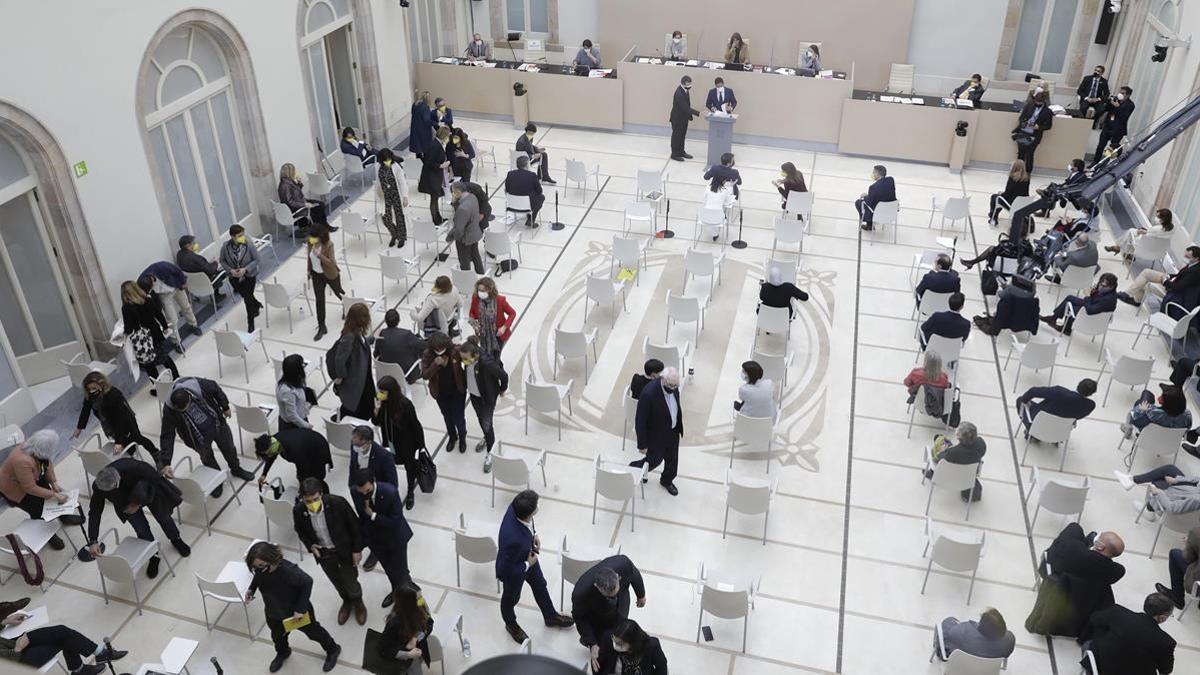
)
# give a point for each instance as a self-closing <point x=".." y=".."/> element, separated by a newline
<point x="432" y="178"/>
<point x="948" y="324"/>
<point x="389" y="529"/>
<point x="523" y="183"/>
<point x="306" y="449"/>
<point x="1087" y="575"/>
<point x="653" y="661"/>
<point x="653" y="420"/>
<point x="339" y="518"/>
<point x="1057" y="400"/>
<point x="117" y="418"/>
<point x="682" y="111"/>
<point x="882" y="190"/>
<point x="190" y="261"/>
<point x="140" y="484"/>
<point x="526" y="146"/>
<point x="400" y="346"/>
<point x="1085" y="87"/>
<point x="403" y="430"/>
<point x="1116" y="118"/>
<point x="593" y="613"/>
<point x="939" y="281"/>
<point x="1014" y="189"/>
<point x="719" y="175"/>
<point x="975" y="97"/>
<point x="1185" y="278"/>
<point x="490" y="377"/>
<point x="1129" y="642"/>
<point x="1044" y="121"/>
<point x="515" y="541"/>
<point x="712" y="104"/>
<point x="285" y="592"/>
<point x="638" y="383"/>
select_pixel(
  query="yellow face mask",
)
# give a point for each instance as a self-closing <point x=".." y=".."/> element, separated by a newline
<point x="195" y="248"/>
<point x="381" y="395"/>
<point x="313" y="507"/>
<point x="240" y="239"/>
<point x="312" y="241"/>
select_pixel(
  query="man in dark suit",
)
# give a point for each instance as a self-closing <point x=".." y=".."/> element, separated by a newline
<point x="720" y="97"/>
<point x="367" y="454"/>
<point x="652" y="369"/>
<point x="1093" y="92"/>
<point x="132" y="485"/>
<point x="522" y="182"/>
<point x="600" y="601"/>
<point x="306" y="449"/>
<point x="883" y="189"/>
<point x="1077" y="575"/>
<point x="537" y="154"/>
<point x="287" y="594"/>
<point x="1161" y="283"/>
<point x="328" y="528"/>
<point x="1057" y="400"/>
<point x="1103" y="298"/>
<point x="971" y="90"/>
<point x="384" y="527"/>
<point x="517" y="564"/>
<point x="1035" y="120"/>
<point x="682" y="113"/>
<point x="1115" y="123"/>
<point x="659" y="426"/>
<point x="949" y="323"/>
<point x="941" y="279"/>
<point x="399" y="345"/>
<point x="1131" y="643"/>
<point x="724" y="174"/>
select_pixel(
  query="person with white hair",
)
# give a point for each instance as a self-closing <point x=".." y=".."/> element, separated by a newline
<point x="659" y="426"/>
<point x="776" y="292"/>
<point x="134" y="487"/>
<point x="968" y="448"/>
<point x="27" y="478"/>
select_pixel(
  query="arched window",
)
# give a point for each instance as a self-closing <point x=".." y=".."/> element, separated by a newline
<point x="190" y="115"/>
<point x="329" y="57"/>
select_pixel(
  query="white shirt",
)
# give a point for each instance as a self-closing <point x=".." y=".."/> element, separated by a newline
<point x="672" y="404"/>
<point x="321" y="528"/>
<point x="528" y="526"/>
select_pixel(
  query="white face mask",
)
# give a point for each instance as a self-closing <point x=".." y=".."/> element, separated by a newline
<point x="721" y="88"/>
<point x="1120" y="97"/>
<point x="440" y="352"/>
<point x="483" y="295"/>
<point x="620" y="648"/>
<point x="676" y="40"/>
<point x="744" y="378"/>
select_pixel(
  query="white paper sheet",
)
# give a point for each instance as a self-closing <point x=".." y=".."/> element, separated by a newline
<point x="36" y="619"/>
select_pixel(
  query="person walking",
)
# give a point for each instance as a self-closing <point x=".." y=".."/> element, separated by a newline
<point x="146" y="327"/>
<point x="112" y="409"/>
<point x="396" y="417"/>
<point x="433" y="174"/>
<point x="420" y="132"/>
<point x="441" y="366"/>
<point x="351" y="370"/>
<point x="466" y="232"/>
<point x="196" y="411"/>
<point x="292" y="393"/>
<point x="659" y="426"/>
<point x="391" y="194"/>
<point x="323" y="271"/>
<point x="386" y="530"/>
<point x="517" y="564"/>
<point x="328" y="528"/>
<point x="404" y="643"/>
<point x="239" y="259"/>
<point x="287" y="595"/>
<point x="491" y="316"/>
<point x="486" y="382"/>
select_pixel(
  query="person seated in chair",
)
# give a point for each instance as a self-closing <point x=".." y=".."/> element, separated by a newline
<point x="350" y="145"/>
<point x="1171" y="411"/>
<point x="971" y="90"/>
<point x="1131" y="643"/>
<point x="1078" y="252"/>
<point x="988" y="638"/>
<point x="36" y="647"/>
<point x="948" y="323"/>
<point x="941" y="279"/>
<point x="1058" y="401"/>
<point x="1078" y="573"/>
<point x="777" y="292"/>
<point x="724" y="178"/>
<point x="1102" y="298"/>
<point x="521" y="182"/>
<point x="883" y="189"/>
<point x="1017" y="309"/>
<point x="1160" y="283"/>
<point x="969" y="449"/>
<point x="1170" y="491"/>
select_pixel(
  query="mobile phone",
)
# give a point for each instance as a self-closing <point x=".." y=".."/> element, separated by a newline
<point x="707" y="634"/>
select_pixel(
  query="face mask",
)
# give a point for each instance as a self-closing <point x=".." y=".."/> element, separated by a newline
<point x="975" y="84"/>
<point x="240" y="239"/>
<point x="782" y="174"/>
<point x="676" y="40"/>
<point x="93" y="394"/>
<point x="483" y="295"/>
<point x="744" y="377"/>
<point x="721" y="88"/>
<point x="195" y="247"/>
<point x="620" y="648"/>
<point x="313" y="507"/>
<point x="479" y="42"/>
<point x="1038" y="90"/>
<point x="687" y="87"/>
<point x="467" y="361"/>
<point x="1120" y="97"/>
<point x="381" y="395"/>
<point x="455" y="140"/>
<point x="529" y="136"/>
<point x="441" y="108"/>
<point x="312" y="241"/>
<point x="261" y="569"/>
<point x="439" y="352"/>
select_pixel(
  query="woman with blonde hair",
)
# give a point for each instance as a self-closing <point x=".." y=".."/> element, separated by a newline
<point x="117" y="419"/>
<point x="291" y="195"/>
<point x="420" y="130"/>
<point x="439" y="310"/>
<point x="352" y="381"/>
<point x="146" y="327"/>
<point x="1017" y="185"/>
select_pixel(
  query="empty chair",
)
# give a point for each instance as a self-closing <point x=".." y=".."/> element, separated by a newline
<point x="437" y="653"/>
<point x="1057" y="497"/>
<point x="953" y="549"/>
<point x="350" y="299"/>
<point x="776" y="320"/>
<point x="1156" y="439"/>
<point x="574" y="344"/>
<point x="354" y="169"/>
<point x="672" y="356"/>
<point x="798" y="205"/>
<point x="547" y="398"/>
<point x="281" y="297"/>
<point x="639" y="212"/>
<point x="790" y="231"/>
<point x="953" y="478"/>
<point x="338" y="434"/>
<point x="355" y="225"/>
<point x="278" y="512"/>
<point x="310" y="367"/>
<point x="578" y="173"/>
<point x="618" y="482"/>
<point x="475" y="543"/>
<point x="396" y="267"/>
<point x="235" y="344"/>
<point x="710" y="222"/>
<point x="953" y="209"/>
<point x="578" y="559"/>
<point x="230" y="588"/>
<point x="122" y="562"/>
<point x="200" y="286"/>
<point x="753" y="432"/>
<point x="79" y="367"/>
<point x="604" y="291"/>
<point x="1190" y="597"/>
<point x="1036" y="353"/>
<point x="900" y="79"/>
<point x="197" y="485"/>
<point x="1089" y="325"/>
<point x="651" y="186"/>
<point x="702" y="264"/>
<point x="501" y="245"/>
<point x="725" y="598"/>
<point x="1176" y="329"/>
<point x="682" y="309"/>
<point x="30" y="536"/>
<point x="464" y="284"/>
<point x="1048" y="428"/>
<point x="514" y="471"/>
<point x="286" y="218"/>
<point x="424" y="232"/>
<point x="886" y="213"/>
<point x="1179" y="523"/>
<point x="629" y="254"/>
<point x="748" y="496"/>
<point x="320" y="187"/>
<point x="1126" y="369"/>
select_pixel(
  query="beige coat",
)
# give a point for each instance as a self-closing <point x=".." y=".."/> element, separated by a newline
<point x="19" y="474"/>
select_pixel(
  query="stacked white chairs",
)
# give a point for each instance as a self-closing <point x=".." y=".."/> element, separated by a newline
<point x="748" y="496"/>
<point x="197" y="485"/>
<point x="514" y="471"/>
<point x="618" y="482"/>
<point x="575" y="344"/>
<point x="1057" y="497"/>
<point x="475" y="543"/>
<point x="753" y="432"/>
<point x="952" y="549"/>
<point x="725" y="597"/>
<point x="547" y="398"/>
<point x="603" y="290"/>
<point x="684" y="309"/>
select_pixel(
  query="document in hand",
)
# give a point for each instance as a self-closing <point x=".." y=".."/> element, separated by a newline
<point x="34" y="619"/>
<point x="53" y="509"/>
<point x="292" y="623"/>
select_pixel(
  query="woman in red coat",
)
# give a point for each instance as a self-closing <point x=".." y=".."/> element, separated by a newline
<point x="491" y="316"/>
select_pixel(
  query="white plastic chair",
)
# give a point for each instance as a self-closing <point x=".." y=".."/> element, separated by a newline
<point x="950" y="349"/>
<point x="396" y="267"/>
<point x="732" y="599"/>
<point x="576" y="561"/>
<point x="501" y="245"/>
<point x="775" y="368"/>
<point x="437" y="653"/>
<point x="953" y="478"/>
<point x="310" y="367"/>
<point x="1090" y="325"/>
<point x="754" y="432"/>
<point x="286" y="218"/>
<point x="474" y="543"/>
<point x="122" y="562"/>
<point x="953" y="209"/>
<point x="618" y="482"/>
<point x="1057" y="497"/>
<point x="197" y="484"/>
<point x="236" y="344"/>
<point x="672" y="356"/>
<point x="603" y="290"/>
<point x="775" y="320"/>
<point x="577" y="172"/>
<point x="1035" y="353"/>
<point x="629" y="253"/>
<point x="1075" y="279"/>
<point x="930" y="303"/>
<point x="682" y="309"/>
<point x="255" y="420"/>
<point x="514" y="471"/>
<point x="319" y="186"/>
<point x="953" y="549"/>
<point x="1049" y="428"/>
<point x="1189" y="601"/>
<point x="886" y="213"/>
<point x="338" y="434"/>
<point x="702" y="264"/>
<point x="79" y="367"/>
<point x="650" y="182"/>
<point x="355" y="225"/>
<point x="229" y="588"/>
<point x="354" y="168"/>
<point x="547" y="398"/>
<point x="789" y="231"/>
<point x="426" y="233"/>
<point x="280" y="296"/>
<point x="638" y="212"/>
<point x="572" y="344"/>
<point x="798" y="205"/>
<point x="1126" y="369"/>
<point x="1179" y="523"/>
<point x="748" y="496"/>
<point x="787" y="269"/>
<point x="918" y="403"/>
<point x="1176" y="329"/>
<point x="629" y="403"/>
<point x="710" y="222"/>
<point x="32" y="535"/>
<point x="278" y="512"/>
<point x="959" y="662"/>
<point x="1157" y="439"/>
<point x="517" y="204"/>
<point x="1149" y="249"/>
<point x="200" y="286"/>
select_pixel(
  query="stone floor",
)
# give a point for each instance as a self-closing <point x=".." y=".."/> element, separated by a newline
<point x="841" y="568"/>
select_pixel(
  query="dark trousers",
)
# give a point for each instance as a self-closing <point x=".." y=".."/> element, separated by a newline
<point x="366" y="403"/>
<point x="316" y="214"/>
<point x="668" y="456"/>
<point x="245" y="288"/>
<point x="678" y="134"/>
<point x="1158" y="476"/>
<point x="394" y="561"/>
<point x="151" y="370"/>
<point x="543" y="166"/>
<point x="319" y="283"/>
<point x="1105" y="139"/>
<point x="1061" y="310"/>
<point x="44" y="643"/>
<point x="410" y="472"/>
<point x="1098" y="106"/>
<point x="485" y="412"/>
<point x="512" y="595"/>
<point x="141" y="526"/>
<point x="224" y="441"/>
<point x="313" y="631"/>
<point x="342" y="573"/>
<point x="468" y="256"/>
<point x="996" y="207"/>
<point x="135" y="435"/>
<point x="1177" y="565"/>
<point x="454" y="412"/>
<point x="393" y="220"/>
<point x="31" y="504"/>
<point x="865" y="213"/>
<point x="1025" y="154"/>
<point x="435" y="209"/>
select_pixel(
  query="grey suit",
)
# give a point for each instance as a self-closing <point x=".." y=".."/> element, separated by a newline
<point x="758" y="399"/>
<point x="965" y="635"/>
<point x="466" y="233"/>
<point x="1086" y="255"/>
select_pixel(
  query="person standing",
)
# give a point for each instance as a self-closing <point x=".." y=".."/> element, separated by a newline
<point x="168" y="283"/>
<point x="189" y="260"/>
<point x="1092" y="93"/>
<point x="385" y="528"/>
<point x="466" y="232"/>
<point x="391" y="193"/>
<point x="433" y="174"/>
<point x="305" y="449"/>
<point x="323" y="271"/>
<point x="116" y="416"/>
<point x="292" y="393"/>
<point x="491" y="316"/>
<point x="328" y="528"/>
<point x="420" y="134"/>
<point x="196" y="411"/>
<point x="659" y="426"/>
<point x="239" y="259"/>
<point x="27" y="479"/>
<point x="143" y="322"/>
<point x="636" y="651"/>
<point x="600" y="601"/>
<point x="397" y="345"/>
<point x="352" y="381"/>
<point x="1035" y="119"/>
<point x="441" y="115"/>
<point x="682" y="114"/>
<point x="1115" y="123"/>
<point x="720" y="98"/>
<point x="652" y="370"/>
<point x="401" y="430"/>
<point x="367" y="454"/>
<point x="441" y="366"/>
<point x="132" y="485"/>
<point x="286" y="591"/>
<point x="517" y="564"/>
<point x="486" y="382"/>
<point x="537" y="154"/>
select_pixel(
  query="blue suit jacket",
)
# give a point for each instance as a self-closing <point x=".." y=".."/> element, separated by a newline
<point x="1096" y="303"/>
<point x="1057" y="400"/>
<point x="653" y="420"/>
<point x="882" y="190"/>
<point x="719" y="174"/>
<point x="939" y="281"/>
<point x="389" y="529"/>
<point x="948" y="324"/>
<point x="167" y="272"/>
<point x="383" y="470"/>
<point x="711" y="102"/>
<point x="515" y="543"/>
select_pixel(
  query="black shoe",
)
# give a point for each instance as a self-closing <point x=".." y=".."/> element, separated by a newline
<point x="549" y="180"/>
<point x="321" y="331"/>
<point x="277" y="662"/>
<point x="1127" y="299"/>
<point x="92" y="669"/>
<point x="152" y="567"/>
<point x="371" y="562"/>
<point x="462" y="444"/>
<point x="1054" y="278"/>
<point x="56" y="543"/>
<point x="409" y="500"/>
<point x="670" y="488"/>
<point x="331" y="227"/>
<point x="217" y="491"/>
<point x="242" y="473"/>
<point x="677" y="158"/>
<point x="109" y="654"/>
<point x="560" y="621"/>
<point x="249" y="329"/>
<point x="331" y="659"/>
<point x="686" y="156"/>
<point x="388" y="600"/>
<point x="1167" y="592"/>
<point x="517" y="634"/>
<point x="182" y="547"/>
<point x="866" y="227"/>
<point x="391" y="242"/>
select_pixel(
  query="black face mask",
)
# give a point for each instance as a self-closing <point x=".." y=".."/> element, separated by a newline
<point x="93" y="395"/>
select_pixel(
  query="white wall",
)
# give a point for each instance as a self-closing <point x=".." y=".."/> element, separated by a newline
<point x="952" y="39"/>
<point x="395" y="68"/>
<point x="579" y="20"/>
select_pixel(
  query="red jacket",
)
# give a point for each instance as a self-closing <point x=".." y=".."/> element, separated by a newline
<point x="505" y="315"/>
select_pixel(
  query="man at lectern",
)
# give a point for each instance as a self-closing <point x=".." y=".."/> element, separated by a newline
<point x="720" y="98"/>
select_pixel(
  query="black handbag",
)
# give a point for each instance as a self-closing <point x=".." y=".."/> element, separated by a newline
<point x="1024" y="140"/>
<point x="426" y="472"/>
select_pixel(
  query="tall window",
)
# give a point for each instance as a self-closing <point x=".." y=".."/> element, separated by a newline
<point x="193" y="137"/>
<point x="527" y="16"/>
<point x="1147" y="78"/>
<point x="331" y="64"/>
<point x="1044" y="35"/>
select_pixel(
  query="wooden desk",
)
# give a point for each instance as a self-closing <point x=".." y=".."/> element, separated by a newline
<point x="992" y="140"/>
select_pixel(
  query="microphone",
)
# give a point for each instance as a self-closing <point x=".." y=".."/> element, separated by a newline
<point x="512" y="51"/>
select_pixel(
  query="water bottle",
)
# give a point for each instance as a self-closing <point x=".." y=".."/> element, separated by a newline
<point x="466" y="646"/>
<point x="691" y="375"/>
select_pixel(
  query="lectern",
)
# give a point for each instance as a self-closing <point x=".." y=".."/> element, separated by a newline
<point x="720" y="137"/>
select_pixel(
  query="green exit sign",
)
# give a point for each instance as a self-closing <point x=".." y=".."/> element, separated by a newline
<point x="81" y="169"/>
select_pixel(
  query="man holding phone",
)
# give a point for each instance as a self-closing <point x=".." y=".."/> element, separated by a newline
<point x="517" y="564"/>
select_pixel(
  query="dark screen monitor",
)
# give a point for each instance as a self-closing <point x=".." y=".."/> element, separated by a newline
<point x="737" y="66"/>
<point x="514" y="37"/>
<point x="582" y="71"/>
